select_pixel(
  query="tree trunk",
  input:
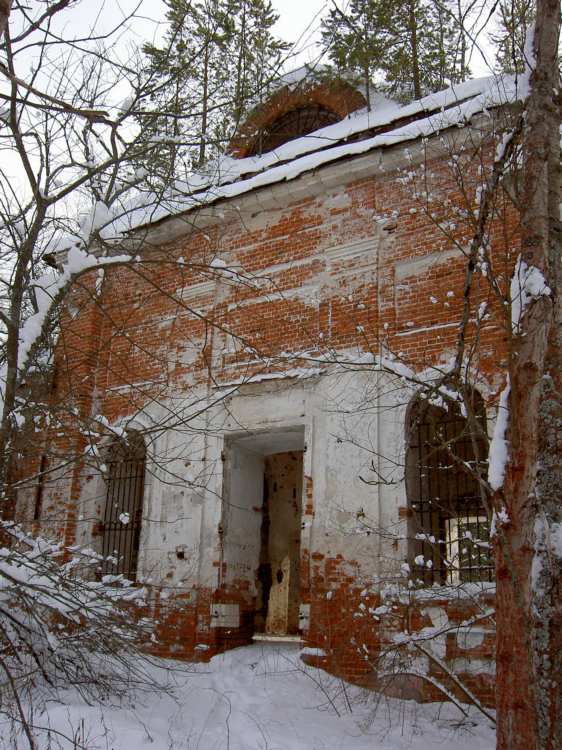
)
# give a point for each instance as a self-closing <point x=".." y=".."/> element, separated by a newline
<point x="461" y="20"/>
<point x="241" y="92"/>
<point x="5" y="7"/>
<point x="529" y="561"/>
<point x="367" y="77"/>
<point x="415" y="52"/>
<point x="205" y="104"/>
<point x="442" y="55"/>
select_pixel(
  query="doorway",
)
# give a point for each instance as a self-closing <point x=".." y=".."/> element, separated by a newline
<point x="262" y="521"/>
<point x="277" y="610"/>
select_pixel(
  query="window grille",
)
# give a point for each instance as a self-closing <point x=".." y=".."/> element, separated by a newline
<point x="122" y="523"/>
<point x="449" y="529"/>
<point x="293" y="124"/>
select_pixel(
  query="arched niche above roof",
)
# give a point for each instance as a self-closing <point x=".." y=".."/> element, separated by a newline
<point x="294" y="111"/>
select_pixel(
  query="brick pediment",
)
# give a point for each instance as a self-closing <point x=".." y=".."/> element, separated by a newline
<point x="294" y="111"/>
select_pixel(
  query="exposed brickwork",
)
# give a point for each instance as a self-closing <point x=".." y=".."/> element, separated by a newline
<point x="336" y="96"/>
<point x="165" y="327"/>
<point x="359" y="639"/>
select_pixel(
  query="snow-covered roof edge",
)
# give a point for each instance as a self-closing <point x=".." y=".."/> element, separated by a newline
<point x="392" y="124"/>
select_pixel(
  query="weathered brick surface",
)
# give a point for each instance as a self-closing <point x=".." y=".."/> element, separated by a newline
<point x="165" y="327"/>
<point x="336" y="96"/>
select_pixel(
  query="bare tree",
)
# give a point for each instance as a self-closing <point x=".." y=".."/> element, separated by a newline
<point x="74" y="189"/>
<point x="71" y="187"/>
<point x="522" y="491"/>
<point x="523" y="494"/>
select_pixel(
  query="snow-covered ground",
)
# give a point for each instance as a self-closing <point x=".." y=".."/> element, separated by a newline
<point x="260" y="697"/>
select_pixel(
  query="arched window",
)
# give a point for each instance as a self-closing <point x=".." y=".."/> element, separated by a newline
<point x="449" y="526"/>
<point x="126" y="461"/>
<point x="293" y="124"/>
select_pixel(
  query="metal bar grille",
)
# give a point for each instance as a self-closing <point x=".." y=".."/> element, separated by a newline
<point x="293" y="124"/>
<point x="123" y="507"/>
<point x="450" y="524"/>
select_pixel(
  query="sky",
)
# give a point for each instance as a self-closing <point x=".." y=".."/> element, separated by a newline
<point x="299" y="23"/>
<point x="295" y="16"/>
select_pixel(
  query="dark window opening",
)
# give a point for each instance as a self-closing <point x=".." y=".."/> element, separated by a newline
<point x="126" y="461"/>
<point x="291" y="125"/>
<point x="449" y="527"/>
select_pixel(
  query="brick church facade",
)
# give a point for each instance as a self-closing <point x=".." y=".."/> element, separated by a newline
<point x="246" y="393"/>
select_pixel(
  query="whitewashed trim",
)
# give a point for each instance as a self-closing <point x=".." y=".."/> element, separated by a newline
<point x="194" y="291"/>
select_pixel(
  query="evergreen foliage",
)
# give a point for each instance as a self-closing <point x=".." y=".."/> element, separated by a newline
<point x="515" y="18"/>
<point x="218" y="60"/>
<point x="409" y="47"/>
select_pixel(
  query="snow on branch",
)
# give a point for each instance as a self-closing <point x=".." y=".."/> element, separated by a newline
<point x="527" y="284"/>
<point x="37" y="566"/>
<point x="499" y="446"/>
<point x="48" y="292"/>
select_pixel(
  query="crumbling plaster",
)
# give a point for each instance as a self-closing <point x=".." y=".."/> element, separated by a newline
<point x="184" y="504"/>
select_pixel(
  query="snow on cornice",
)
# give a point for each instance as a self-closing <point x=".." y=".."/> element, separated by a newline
<point x="392" y="124"/>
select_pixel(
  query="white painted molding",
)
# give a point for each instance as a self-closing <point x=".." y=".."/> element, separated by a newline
<point x="194" y="291"/>
<point x="414" y="266"/>
<point x="363" y="253"/>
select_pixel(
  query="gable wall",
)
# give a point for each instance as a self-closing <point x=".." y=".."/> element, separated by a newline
<point x="357" y="268"/>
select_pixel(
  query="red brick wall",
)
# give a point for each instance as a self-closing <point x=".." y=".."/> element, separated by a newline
<point x="365" y="634"/>
<point x="139" y="331"/>
<point x="336" y="96"/>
